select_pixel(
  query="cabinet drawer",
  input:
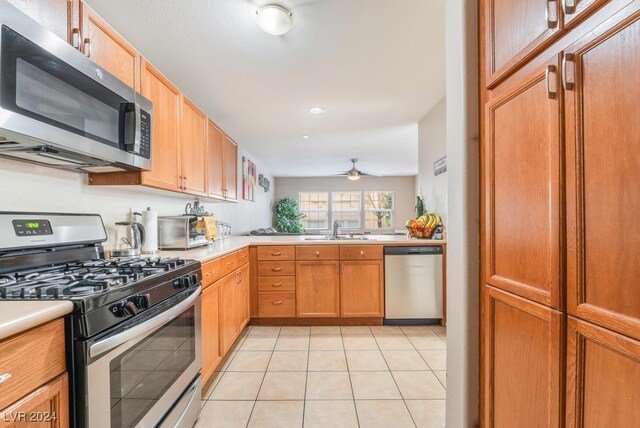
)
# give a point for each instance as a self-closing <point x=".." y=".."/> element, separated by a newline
<point x="277" y="304"/>
<point x="279" y="252"/>
<point x="361" y="252"/>
<point x="229" y="263"/>
<point x="31" y="359"/>
<point x="276" y="283"/>
<point x="243" y="256"/>
<point x="317" y="252"/>
<point x="211" y="272"/>
<point x="276" y="268"/>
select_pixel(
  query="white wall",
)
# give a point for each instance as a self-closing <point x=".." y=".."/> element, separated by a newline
<point x="27" y="187"/>
<point x="432" y="145"/>
<point x="403" y="188"/>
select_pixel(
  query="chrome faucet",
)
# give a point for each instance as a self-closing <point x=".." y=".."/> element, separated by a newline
<point x="336" y="226"/>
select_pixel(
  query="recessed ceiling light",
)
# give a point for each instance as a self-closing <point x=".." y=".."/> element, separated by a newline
<point x="316" y="110"/>
<point x="274" y="19"/>
<point x="305" y="136"/>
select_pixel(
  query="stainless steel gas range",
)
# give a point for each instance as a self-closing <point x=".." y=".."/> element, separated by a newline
<point x="134" y="334"/>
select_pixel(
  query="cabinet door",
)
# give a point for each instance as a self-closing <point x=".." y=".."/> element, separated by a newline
<point x="317" y="289"/>
<point x="522" y="348"/>
<point x="603" y="374"/>
<point x="603" y="172"/>
<point x="514" y="29"/>
<point x="211" y="354"/>
<point x="523" y="187"/>
<point x="230" y="154"/>
<point x="242" y="297"/>
<point x="215" y="167"/>
<point x="55" y="15"/>
<point x="227" y="314"/>
<point x="47" y="405"/>
<point x="362" y="288"/>
<point x="193" y="142"/>
<point x="165" y="172"/>
<point x="107" y="48"/>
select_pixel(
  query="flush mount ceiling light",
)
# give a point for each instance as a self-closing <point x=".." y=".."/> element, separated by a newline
<point x="274" y="19"/>
<point x="305" y="137"/>
<point x="316" y="110"/>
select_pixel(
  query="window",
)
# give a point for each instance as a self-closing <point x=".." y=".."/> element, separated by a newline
<point x="346" y="209"/>
<point x="353" y="210"/>
<point x="315" y="207"/>
<point x="378" y="210"/>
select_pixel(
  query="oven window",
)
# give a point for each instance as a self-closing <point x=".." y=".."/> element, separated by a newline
<point x="140" y="376"/>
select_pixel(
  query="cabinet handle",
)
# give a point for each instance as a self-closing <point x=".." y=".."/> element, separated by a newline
<point x="276" y="269"/>
<point x="276" y="254"/>
<point x="317" y="253"/>
<point x="184" y="182"/>
<point x="568" y="85"/>
<point x="569" y="7"/>
<point x="87" y="47"/>
<point x="229" y="264"/>
<point x="75" y="38"/>
<point x="551" y="13"/>
<point x="276" y="302"/>
<point x="362" y="253"/>
<point x="551" y="69"/>
<point x="5" y="377"/>
<point x="276" y="284"/>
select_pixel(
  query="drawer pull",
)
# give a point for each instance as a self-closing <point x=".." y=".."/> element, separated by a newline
<point x="5" y="377"/>
<point x="276" y="302"/>
<point x="276" y="269"/>
<point x="317" y="253"/>
<point x="362" y="253"/>
<point x="276" y="284"/>
<point x="276" y="254"/>
<point x="229" y="264"/>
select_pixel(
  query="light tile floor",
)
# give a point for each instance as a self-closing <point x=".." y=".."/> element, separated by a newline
<point x="317" y="377"/>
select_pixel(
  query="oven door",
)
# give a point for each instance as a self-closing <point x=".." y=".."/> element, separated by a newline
<point x="147" y="372"/>
<point x="52" y="96"/>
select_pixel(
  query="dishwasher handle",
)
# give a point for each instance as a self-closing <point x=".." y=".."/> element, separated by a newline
<point x="411" y="251"/>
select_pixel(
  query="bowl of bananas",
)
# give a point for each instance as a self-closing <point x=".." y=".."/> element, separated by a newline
<point x="423" y="226"/>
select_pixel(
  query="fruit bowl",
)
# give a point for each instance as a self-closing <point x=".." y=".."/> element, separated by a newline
<point x="420" y="233"/>
<point x="423" y="226"/>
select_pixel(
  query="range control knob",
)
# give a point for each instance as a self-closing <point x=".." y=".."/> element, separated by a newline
<point x="129" y="308"/>
<point x="194" y="279"/>
<point x="141" y="301"/>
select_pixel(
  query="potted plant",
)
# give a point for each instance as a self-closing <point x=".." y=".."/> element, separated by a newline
<point x="287" y="216"/>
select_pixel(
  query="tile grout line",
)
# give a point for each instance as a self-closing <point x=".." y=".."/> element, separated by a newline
<point x="262" y="382"/>
<point x="353" y="394"/>
<point x="306" y="380"/>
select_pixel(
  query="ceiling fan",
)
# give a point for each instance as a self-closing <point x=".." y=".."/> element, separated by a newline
<point x="354" y="173"/>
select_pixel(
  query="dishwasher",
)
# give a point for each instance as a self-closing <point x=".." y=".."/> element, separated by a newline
<point x="413" y="285"/>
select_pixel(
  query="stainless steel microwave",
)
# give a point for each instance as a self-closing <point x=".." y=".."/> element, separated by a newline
<point x="59" y="108"/>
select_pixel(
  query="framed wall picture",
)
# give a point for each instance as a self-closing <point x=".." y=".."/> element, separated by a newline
<point x="249" y="179"/>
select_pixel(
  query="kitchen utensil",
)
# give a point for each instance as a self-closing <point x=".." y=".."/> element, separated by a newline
<point x="129" y="239"/>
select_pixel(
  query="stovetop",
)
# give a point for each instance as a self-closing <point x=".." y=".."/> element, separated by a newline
<point x="83" y="279"/>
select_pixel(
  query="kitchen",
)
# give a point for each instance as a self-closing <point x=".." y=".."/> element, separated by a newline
<point x="158" y="341"/>
<point x="513" y="122"/>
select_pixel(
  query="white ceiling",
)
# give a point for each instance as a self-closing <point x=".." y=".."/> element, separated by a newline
<point x="376" y="66"/>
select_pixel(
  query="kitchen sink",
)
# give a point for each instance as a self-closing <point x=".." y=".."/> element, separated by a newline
<point x="339" y="238"/>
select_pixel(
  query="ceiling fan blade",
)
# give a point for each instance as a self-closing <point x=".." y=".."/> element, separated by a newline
<point x="369" y="175"/>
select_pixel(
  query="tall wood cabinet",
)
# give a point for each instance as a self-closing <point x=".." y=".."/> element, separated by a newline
<point x="222" y="161"/>
<point x="560" y="170"/>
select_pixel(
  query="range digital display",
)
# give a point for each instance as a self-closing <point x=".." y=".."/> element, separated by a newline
<point x="32" y="227"/>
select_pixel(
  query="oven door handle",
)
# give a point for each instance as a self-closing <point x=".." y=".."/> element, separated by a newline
<point x="152" y="324"/>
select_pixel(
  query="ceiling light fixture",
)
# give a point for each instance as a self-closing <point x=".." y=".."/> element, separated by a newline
<point x="316" y="110"/>
<point x="274" y="19"/>
<point x="353" y="177"/>
<point x="305" y="137"/>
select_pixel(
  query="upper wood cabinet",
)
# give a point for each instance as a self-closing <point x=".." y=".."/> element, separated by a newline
<point x="104" y="46"/>
<point x="55" y="15"/>
<point x="318" y="289"/>
<point x="215" y="161"/>
<point x="193" y="146"/>
<point x="230" y="156"/>
<point x="523" y="187"/>
<point x="362" y="288"/>
<point x="603" y="172"/>
<point x="576" y="10"/>
<point x="211" y="352"/>
<point x="522" y="357"/>
<point x="603" y="374"/>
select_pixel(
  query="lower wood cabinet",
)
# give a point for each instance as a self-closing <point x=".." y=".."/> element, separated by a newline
<point x="211" y="351"/>
<point x="227" y="314"/>
<point x="603" y="377"/>
<point x="318" y="289"/>
<point x="523" y="357"/>
<point x="362" y="288"/>
<point x="242" y="298"/>
<point x="277" y="304"/>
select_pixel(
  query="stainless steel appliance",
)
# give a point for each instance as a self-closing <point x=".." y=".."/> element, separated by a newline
<point x="60" y="109"/>
<point x="180" y="232"/>
<point x="413" y="285"/>
<point x="129" y="239"/>
<point x="134" y="333"/>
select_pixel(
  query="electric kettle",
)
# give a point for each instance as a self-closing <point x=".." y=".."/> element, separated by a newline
<point x="129" y="239"/>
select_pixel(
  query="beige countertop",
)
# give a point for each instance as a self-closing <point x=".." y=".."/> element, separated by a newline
<point x="235" y="243"/>
<point x="17" y="316"/>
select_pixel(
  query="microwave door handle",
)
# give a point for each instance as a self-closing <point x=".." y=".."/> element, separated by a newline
<point x="137" y="121"/>
<point x="112" y="342"/>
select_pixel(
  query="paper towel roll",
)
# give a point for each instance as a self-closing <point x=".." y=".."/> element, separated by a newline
<point x="150" y="223"/>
